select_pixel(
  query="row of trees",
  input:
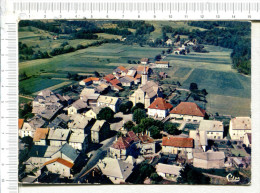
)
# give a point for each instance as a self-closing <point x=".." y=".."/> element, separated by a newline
<point x="27" y="53"/>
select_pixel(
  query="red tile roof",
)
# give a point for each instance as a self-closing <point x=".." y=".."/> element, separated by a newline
<point x="145" y="138"/>
<point x="188" y="108"/>
<point x="109" y="77"/>
<point x="177" y="142"/>
<point x="138" y="76"/>
<point x="115" y="81"/>
<point x="122" y="68"/>
<point x="161" y="104"/>
<point x="20" y="123"/>
<point x="122" y="143"/>
<point x="132" y="136"/>
<point x="118" y="87"/>
<point x="40" y="133"/>
<point x="60" y="160"/>
<point x="91" y="79"/>
<point x="141" y="68"/>
<point x="95" y="78"/>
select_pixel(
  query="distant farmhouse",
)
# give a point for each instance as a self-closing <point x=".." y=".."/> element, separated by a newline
<point x="89" y="81"/>
<point x="144" y="60"/>
<point x="161" y="64"/>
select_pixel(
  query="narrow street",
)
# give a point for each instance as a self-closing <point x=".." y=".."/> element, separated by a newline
<point x="96" y="156"/>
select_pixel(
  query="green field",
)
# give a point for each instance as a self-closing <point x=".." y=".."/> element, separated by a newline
<point x="157" y="33"/>
<point x="33" y="85"/>
<point x="229" y="91"/>
<point x="103" y="58"/>
<point x="24" y="100"/>
<point x="181" y="72"/>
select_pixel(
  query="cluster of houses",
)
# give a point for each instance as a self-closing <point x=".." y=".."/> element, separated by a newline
<point x="62" y="130"/>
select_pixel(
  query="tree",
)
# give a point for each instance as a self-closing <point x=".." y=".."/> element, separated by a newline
<point x="171" y="128"/>
<point x="137" y="106"/>
<point x="157" y="57"/>
<point x="69" y="75"/>
<point x="228" y="143"/>
<point x="193" y="86"/>
<point x="123" y="108"/>
<point x="129" y="105"/>
<point x="204" y="92"/>
<point x="178" y="38"/>
<point x="129" y="61"/>
<point x="138" y="115"/>
<point x="105" y="114"/>
<point x="96" y="74"/>
<point x="154" y="132"/>
<point x="191" y="175"/>
<point x="156" y="178"/>
<point x="129" y="125"/>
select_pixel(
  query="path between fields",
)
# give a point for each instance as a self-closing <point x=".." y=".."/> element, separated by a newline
<point x="27" y="97"/>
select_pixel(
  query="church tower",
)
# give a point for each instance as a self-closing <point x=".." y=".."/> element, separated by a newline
<point x="144" y="77"/>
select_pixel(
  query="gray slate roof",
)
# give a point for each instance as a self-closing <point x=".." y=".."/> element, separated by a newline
<point x="69" y="151"/>
<point x="115" y="168"/>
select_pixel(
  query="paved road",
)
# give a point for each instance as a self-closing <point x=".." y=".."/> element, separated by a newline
<point x="118" y="125"/>
<point x="96" y="155"/>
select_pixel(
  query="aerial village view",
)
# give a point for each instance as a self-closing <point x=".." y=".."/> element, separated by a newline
<point x="134" y="102"/>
